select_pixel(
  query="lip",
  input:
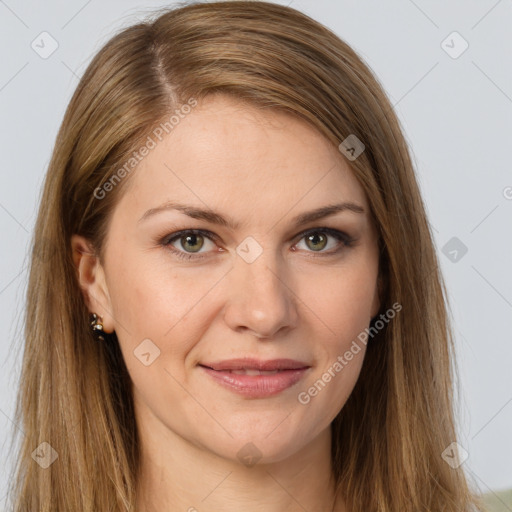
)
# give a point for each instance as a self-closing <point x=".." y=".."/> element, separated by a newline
<point x="289" y="372"/>
<point x="249" y="363"/>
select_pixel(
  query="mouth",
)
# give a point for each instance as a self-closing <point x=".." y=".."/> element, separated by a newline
<point x="251" y="371"/>
<point x="251" y="364"/>
<point x="256" y="379"/>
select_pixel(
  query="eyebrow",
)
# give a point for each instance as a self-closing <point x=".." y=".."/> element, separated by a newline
<point x="216" y="218"/>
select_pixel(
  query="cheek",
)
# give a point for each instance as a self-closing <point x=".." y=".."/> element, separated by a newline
<point x="342" y="300"/>
<point x="163" y="304"/>
<point x="339" y="313"/>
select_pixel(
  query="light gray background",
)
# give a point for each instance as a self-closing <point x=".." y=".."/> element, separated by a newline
<point x="457" y="117"/>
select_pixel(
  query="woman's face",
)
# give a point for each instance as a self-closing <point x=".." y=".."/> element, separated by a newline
<point x="250" y="283"/>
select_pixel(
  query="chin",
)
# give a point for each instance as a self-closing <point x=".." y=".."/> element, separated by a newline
<point x="259" y="448"/>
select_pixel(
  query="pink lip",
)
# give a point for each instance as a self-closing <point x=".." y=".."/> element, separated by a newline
<point x="249" y="363"/>
<point x="257" y="386"/>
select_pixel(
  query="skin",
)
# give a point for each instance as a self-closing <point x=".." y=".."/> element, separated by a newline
<point x="294" y="301"/>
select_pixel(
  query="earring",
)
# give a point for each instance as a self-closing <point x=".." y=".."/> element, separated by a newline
<point x="97" y="326"/>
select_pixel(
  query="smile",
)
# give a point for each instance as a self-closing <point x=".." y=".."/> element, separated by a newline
<point x="252" y="383"/>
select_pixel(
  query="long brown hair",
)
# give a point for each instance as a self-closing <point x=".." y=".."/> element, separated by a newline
<point x="76" y="394"/>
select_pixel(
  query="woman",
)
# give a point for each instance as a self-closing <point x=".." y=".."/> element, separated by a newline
<point x="236" y="302"/>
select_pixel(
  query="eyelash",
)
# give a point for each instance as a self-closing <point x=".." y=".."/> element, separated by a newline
<point x="346" y="241"/>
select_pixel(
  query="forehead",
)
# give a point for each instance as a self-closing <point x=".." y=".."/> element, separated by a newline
<point x="228" y="155"/>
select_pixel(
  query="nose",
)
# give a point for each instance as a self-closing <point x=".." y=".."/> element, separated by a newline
<point x="260" y="300"/>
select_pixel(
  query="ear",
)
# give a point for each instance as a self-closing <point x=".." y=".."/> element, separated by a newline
<point x="91" y="279"/>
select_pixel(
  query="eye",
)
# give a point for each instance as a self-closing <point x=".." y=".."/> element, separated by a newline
<point x="316" y="240"/>
<point x="187" y="244"/>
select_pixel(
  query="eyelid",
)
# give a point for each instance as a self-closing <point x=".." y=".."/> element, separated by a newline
<point x="183" y="232"/>
<point x="336" y="233"/>
<point x="169" y="239"/>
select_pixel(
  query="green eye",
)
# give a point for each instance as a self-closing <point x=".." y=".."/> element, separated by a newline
<point x="191" y="241"/>
<point x="316" y="241"/>
<point x="194" y="242"/>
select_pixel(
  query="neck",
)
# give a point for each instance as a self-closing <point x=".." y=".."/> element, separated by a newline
<point x="180" y="475"/>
